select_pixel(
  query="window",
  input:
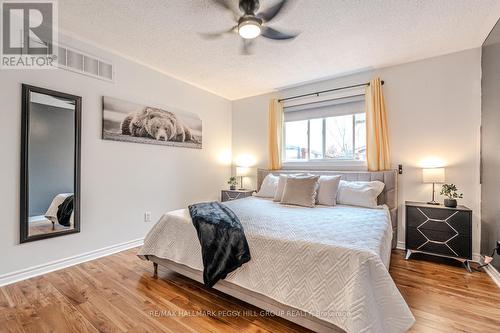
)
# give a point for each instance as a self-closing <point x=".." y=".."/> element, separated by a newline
<point x="325" y="131"/>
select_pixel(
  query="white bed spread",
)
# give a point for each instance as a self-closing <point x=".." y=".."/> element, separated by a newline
<point x="328" y="261"/>
<point x="51" y="213"/>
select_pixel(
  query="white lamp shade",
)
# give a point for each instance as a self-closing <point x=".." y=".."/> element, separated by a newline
<point x="242" y="171"/>
<point x="433" y="175"/>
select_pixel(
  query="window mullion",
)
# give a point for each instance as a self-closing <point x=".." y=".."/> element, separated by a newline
<point x="353" y="134"/>
<point x="324" y="138"/>
<point x="308" y="139"/>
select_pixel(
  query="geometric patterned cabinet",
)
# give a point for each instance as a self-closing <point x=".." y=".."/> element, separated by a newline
<point x="229" y="195"/>
<point x="439" y="230"/>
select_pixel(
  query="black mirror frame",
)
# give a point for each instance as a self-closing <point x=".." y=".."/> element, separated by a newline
<point x="24" y="190"/>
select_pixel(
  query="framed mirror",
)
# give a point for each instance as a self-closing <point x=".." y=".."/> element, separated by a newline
<point x="50" y="163"/>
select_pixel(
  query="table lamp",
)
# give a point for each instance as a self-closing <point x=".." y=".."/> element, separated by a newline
<point x="433" y="175"/>
<point x="242" y="172"/>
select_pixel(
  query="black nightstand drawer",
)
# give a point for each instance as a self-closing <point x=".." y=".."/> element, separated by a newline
<point x="458" y="251"/>
<point x="460" y="220"/>
<point x="446" y="243"/>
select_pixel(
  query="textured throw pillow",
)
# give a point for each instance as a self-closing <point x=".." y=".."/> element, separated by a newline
<point x="328" y="187"/>
<point x="268" y="187"/>
<point x="362" y="194"/>
<point x="281" y="184"/>
<point x="300" y="191"/>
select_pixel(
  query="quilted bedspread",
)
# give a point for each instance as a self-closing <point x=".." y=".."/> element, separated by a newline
<point x="331" y="262"/>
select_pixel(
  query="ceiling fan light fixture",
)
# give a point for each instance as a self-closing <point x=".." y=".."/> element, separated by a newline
<point x="249" y="29"/>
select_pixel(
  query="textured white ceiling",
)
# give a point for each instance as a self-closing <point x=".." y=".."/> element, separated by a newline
<point x="337" y="36"/>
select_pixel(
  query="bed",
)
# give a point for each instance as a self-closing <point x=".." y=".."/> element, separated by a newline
<point x="325" y="268"/>
<point x="51" y="213"/>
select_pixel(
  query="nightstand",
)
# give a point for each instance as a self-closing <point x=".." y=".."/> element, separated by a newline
<point x="228" y="195"/>
<point x="439" y="230"/>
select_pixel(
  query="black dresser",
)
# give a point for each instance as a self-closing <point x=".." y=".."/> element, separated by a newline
<point x="439" y="230"/>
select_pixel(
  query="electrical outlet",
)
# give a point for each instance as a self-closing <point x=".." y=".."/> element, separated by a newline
<point x="147" y="217"/>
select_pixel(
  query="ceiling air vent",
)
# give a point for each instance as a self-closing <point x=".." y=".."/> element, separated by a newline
<point x="82" y="63"/>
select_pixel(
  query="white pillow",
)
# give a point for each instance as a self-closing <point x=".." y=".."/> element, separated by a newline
<point x="328" y="187"/>
<point x="358" y="193"/>
<point x="268" y="187"/>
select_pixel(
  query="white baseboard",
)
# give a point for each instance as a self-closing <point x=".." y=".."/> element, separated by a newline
<point x="401" y="246"/>
<point x="476" y="257"/>
<point x="493" y="273"/>
<point x="66" y="262"/>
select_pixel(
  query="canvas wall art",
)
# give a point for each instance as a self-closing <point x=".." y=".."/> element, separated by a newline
<point x="131" y="122"/>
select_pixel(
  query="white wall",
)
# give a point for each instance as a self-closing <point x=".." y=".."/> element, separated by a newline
<point x="119" y="181"/>
<point x="434" y="111"/>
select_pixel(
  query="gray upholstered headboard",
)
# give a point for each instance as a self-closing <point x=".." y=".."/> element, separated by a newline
<point x="389" y="195"/>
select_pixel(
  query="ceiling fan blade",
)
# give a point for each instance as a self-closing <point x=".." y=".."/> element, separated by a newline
<point x="215" y="35"/>
<point x="246" y="47"/>
<point x="270" y="13"/>
<point x="225" y="4"/>
<point x="271" y="33"/>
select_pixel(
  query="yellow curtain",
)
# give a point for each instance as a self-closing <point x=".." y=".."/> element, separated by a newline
<point x="276" y="119"/>
<point x="377" y="132"/>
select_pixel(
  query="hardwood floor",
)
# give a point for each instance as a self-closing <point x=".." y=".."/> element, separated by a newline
<point x="118" y="294"/>
<point x="45" y="227"/>
<point x="446" y="298"/>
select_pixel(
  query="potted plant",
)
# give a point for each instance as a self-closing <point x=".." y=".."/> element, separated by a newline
<point x="451" y="192"/>
<point x="232" y="183"/>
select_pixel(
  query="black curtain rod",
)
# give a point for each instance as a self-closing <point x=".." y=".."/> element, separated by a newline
<point x="325" y="91"/>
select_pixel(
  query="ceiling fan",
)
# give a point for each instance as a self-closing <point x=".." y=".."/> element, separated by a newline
<point x="251" y="23"/>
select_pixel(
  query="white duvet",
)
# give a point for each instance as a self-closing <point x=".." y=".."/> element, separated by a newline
<point x="331" y="262"/>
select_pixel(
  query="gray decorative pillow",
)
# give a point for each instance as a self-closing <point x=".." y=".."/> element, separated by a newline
<point x="327" y="190"/>
<point x="300" y="191"/>
<point x="281" y="184"/>
<point x="281" y="187"/>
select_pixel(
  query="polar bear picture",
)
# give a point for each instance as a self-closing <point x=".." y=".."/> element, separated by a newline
<point x="125" y="121"/>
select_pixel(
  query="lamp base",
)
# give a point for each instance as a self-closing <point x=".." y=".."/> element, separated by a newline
<point x="433" y="202"/>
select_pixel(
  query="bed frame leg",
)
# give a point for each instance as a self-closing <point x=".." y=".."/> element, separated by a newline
<point x="155" y="270"/>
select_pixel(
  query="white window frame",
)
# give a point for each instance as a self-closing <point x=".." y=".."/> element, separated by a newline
<point x="324" y="163"/>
